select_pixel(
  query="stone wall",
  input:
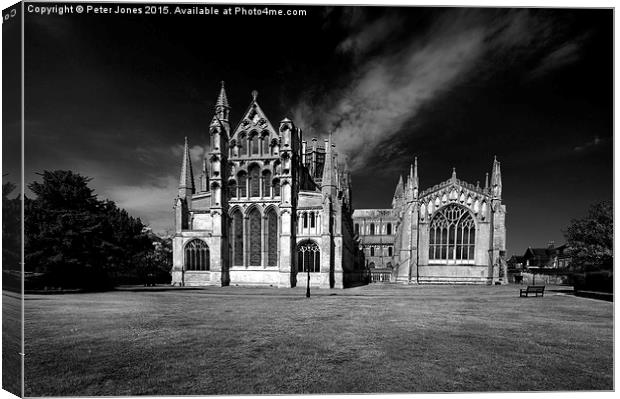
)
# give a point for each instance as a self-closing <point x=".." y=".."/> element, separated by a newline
<point x="453" y="274"/>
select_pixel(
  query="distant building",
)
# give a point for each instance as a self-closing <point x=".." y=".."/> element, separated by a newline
<point x="515" y="262"/>
<point x="376" y="229"/>
<point x="551" y="257"/>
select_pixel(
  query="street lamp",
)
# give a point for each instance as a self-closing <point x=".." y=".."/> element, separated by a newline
<point x="308" y="286"/>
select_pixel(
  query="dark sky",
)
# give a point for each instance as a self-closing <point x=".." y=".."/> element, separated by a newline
<point x="112" y="97"/>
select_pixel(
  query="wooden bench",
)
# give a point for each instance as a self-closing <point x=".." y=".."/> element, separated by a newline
<point x="532" y="289"/>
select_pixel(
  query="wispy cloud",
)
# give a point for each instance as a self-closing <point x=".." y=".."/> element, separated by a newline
<point x="565" y="54"/>
<point x="372" y="35"/>
<point x="590" y="144"/>
<point x="196" y="152"/>
<point x="388" y="88"/>
<point x="152" y="202"/>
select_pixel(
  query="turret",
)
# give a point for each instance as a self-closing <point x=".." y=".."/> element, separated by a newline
<point x="328" y="181"/>
<point x="496" y="180"/>
<point x="414" y="180"/>
<point x="303" y="152"/>
<point x="287" y="152"/>
<point x="498" y="226"/>
<point x="219" y="131"/>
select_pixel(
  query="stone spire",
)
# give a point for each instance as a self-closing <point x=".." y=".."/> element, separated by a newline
<point x="222" y="109"/>
<point x="486" y="181"/>
<point x="415" y="180"/>
<point x="399" y="188"/>
<point x="222" y="99"/>
<point x="186" y="181"/>
<point x="453" y="175"/>
<point x="496" y="179"/>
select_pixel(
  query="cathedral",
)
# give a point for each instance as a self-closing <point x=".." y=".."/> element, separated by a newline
<point x="273" y="209"/>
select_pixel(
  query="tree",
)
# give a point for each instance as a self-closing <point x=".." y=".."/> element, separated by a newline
<point x="156" y="263"/>
<point x="11" y="238"/>
<point x="590" y="240"/>
<point x="76" y="240"/>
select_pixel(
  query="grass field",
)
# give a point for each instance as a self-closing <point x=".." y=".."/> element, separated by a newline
<point x="236" y="340"/>
<point x="11" y="342"/>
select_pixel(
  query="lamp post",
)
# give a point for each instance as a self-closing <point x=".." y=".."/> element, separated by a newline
<point x="308" y="285"/>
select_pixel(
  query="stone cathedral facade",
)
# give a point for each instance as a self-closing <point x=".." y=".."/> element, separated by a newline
<point x="453" y="232"/>
<point x="272" y="209"/>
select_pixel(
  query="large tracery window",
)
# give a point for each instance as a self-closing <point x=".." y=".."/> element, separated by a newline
<point x="196" y="256"/>
<point x="452" y="236"/>
<point x="237" y="238"/>
<point x="242" y="184"/>
<point x="254" y="181"/>
<point x="272" y="238"/>
<point x="308" y="257"/>
<point x="266" y="183"/>
<point x="254" y="223"/>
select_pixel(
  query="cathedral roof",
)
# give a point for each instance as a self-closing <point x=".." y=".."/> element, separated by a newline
<point x="254" y="119"/>
<point x="453" y="181"/>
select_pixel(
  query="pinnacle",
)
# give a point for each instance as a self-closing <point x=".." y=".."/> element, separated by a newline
<point x="222" y="99"/>
<point x="187" y="174"/>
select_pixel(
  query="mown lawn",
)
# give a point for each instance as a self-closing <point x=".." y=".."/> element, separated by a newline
<point x="11" y="342"/>
<point x="236" y="340"/>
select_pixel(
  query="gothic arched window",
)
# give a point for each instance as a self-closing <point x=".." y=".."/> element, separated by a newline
<point x="254" y="237"/>
<point x="357" y="228"/>
<point x="271" y="236"/>
<point x="452" y="235"/>
<point x="389" y="251"/>
<point x="242" y="183"/>
<point x="389" y="229"/>
<point x="197" y="255"/>
<point x="254" y="180"/>
<point x="312" y="222"/>
<point x="266" y="183"/>
<point x="276" y="187"/>
<point x="237" y="239"/>
<point x="254" y="143"/>
<point x="232" y="189"/>
<point x="305" y="217"/>
<point x="372" y="229"/>
<point x="308" y="257"/>
<point x="265" y="144"/>
<point x="372" y="251"/>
